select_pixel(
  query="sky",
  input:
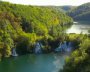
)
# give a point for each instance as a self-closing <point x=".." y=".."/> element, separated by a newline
<point x="49" y="2"/>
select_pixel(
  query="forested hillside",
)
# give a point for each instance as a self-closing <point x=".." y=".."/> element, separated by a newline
<point x="21" y="26"/>
<point x="81" y="12"/>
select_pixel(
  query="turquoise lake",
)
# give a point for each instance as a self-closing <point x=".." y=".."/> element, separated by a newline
<point x="33" y="63"/>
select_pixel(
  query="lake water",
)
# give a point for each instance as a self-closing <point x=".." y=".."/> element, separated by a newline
<point x="79" y="27"/>
<point x="33" y="63"/>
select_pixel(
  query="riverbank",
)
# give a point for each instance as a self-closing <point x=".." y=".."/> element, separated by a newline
<point x="69" y="43"/>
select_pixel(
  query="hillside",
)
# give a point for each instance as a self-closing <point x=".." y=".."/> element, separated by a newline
<point x="67" y="8"/>
<point x="21" y="26"/>
<point x="81" y="12"/>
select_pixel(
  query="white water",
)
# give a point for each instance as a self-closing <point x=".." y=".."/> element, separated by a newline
<point x="38" y="47"/>
<point x="14" y="53"/>
<point x="64" y="47"/>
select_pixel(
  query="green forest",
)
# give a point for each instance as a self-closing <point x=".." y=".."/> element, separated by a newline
<point x="21" y="26"/>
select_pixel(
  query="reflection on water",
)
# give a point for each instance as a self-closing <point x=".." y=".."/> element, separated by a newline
<point x="79" y="27"/>
<point x="59" y="62"/>
<point x="33" y="63"/>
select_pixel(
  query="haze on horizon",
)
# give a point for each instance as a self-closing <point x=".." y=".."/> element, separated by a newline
<point x="48" y="2"/>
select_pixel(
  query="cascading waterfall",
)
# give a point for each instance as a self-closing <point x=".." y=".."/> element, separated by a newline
<point x="14" y="53"/>
<point x="66" y="46"/>
<point x="38" y="47"/>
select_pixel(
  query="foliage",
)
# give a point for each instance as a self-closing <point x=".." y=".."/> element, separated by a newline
<point x="21" y="26"/>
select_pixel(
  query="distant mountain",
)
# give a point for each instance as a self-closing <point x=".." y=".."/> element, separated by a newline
<point x="67" y="8"/>
<point x="63" y="9"/>
<point x="81" y="12"/>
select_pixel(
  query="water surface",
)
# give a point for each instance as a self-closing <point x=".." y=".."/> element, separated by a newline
<point x="79" y="27"/>
<point x="33" y="63"/>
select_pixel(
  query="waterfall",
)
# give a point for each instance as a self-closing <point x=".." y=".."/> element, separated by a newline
<point x="14" y="53"/>
<point x="38" y="47"/>
<point x="64" y="47"/>
<point x="69" y="47"/>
